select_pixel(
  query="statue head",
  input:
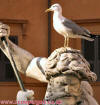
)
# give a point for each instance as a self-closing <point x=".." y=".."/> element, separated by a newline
<point x="65" y="69"/>
<point x="67" y="89"/>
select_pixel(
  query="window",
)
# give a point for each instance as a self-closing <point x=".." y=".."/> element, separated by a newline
<point x="6" y="70"/>
<point x="91" y="51"/>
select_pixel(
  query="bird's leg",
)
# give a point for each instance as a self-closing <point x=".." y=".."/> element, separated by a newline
<point x="67" y="42"/>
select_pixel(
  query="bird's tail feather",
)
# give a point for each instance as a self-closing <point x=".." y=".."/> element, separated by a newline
<point x="94" y="36"/>
<point x="88" y="38"/>
<point x="91" y="37"/>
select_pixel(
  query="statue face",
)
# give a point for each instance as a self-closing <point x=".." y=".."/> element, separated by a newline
<point x="69" y="86"/>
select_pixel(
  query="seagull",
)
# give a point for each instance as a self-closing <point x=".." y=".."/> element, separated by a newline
<point x="66" y="27"/>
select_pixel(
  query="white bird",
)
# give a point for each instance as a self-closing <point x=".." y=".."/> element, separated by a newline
<point x="66" y="27"/>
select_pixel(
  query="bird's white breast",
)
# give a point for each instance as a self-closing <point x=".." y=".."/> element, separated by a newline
<point x="58" y="26"/>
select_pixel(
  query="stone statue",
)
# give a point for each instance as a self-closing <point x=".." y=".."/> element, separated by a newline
<point x="66" y="71"/>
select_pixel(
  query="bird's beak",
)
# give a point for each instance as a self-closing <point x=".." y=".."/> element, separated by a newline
<point x="48" y="10"/>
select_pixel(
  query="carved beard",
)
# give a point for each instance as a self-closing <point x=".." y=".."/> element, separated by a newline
<point x="72" y="100"/>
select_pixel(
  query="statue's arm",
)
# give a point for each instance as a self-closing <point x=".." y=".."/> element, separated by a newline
<point x="87" y="94"/>
<point x="26" y="63"/>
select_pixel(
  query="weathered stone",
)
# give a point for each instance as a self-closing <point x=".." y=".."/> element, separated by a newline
<point x="67" y="60"/>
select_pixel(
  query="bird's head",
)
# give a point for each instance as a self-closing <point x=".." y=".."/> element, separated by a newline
<point x="54" y="7"/>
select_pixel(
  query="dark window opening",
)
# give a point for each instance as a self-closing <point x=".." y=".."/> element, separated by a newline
<point x="91" y="51"/>
<point x="6" y="70"/>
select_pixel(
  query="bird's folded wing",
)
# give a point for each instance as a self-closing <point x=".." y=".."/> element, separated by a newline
<point x="76" y="29"/>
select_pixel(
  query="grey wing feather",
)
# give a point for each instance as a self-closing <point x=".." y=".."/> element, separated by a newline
<point x="76" y="29"/>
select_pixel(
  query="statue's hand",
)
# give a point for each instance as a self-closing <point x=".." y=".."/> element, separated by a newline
<point x="25" y="95"/>
<point x="4" y="30"/>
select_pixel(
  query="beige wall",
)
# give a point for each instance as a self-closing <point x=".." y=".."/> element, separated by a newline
<point x="8" y="90"/>
<point x="28" y="17"/>
<point x="17" y="12"/>
<point x="85" y="10"/>
<point x="36" y="38"/>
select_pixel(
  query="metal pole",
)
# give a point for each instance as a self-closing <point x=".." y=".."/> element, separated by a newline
<point x="49" y="29"/>
<point x="13" y="64"/>
<point x="96" y="60"/>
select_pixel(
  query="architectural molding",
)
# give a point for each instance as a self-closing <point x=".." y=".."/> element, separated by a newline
<point x="23" y="23"/>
